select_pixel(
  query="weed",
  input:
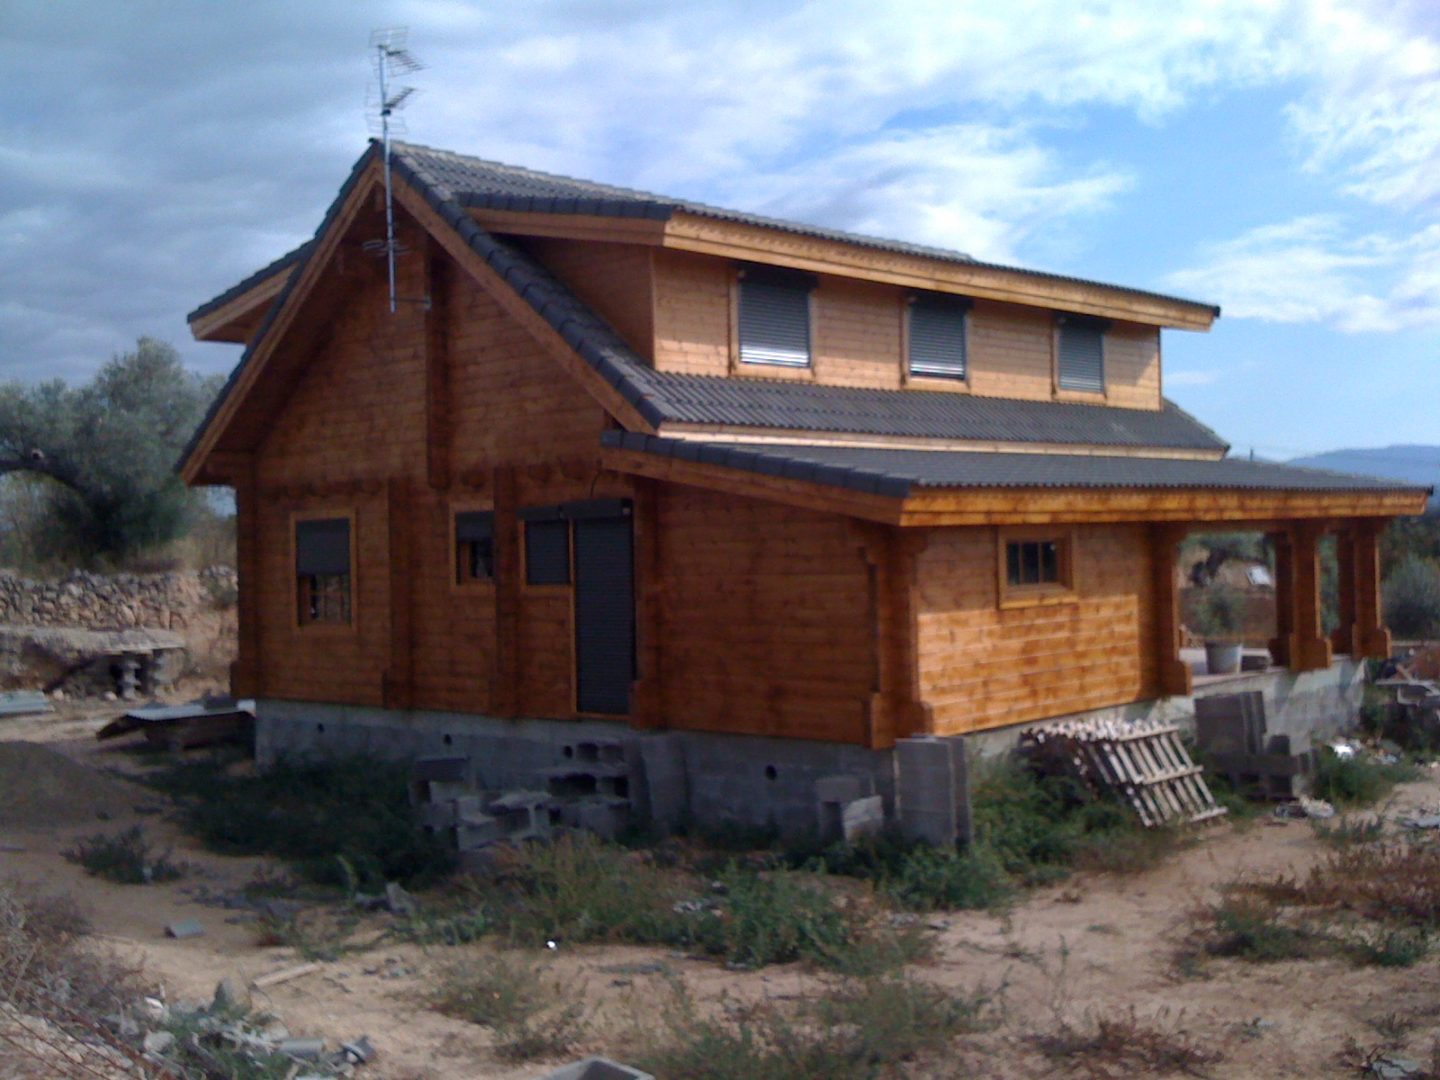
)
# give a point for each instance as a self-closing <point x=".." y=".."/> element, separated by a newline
<point x="932" y="879"/>
<point x="530" y="1013"/>
<point x="126" y="858"/>
<point x="1348" y="832"/>
<point x="330" y="819"/>
<point x="1126" y="1046"/>
<point x="1396" y="883"/>
<point x="856" y="1029"/>
<point x="452" y="928"/>
<point x="1357" y="780"/>
<point x="772" y="919"/>
<point x="1402" y="947"/>
<point x="1251" y="929"/>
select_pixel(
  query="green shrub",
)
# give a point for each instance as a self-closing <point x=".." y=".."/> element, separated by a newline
<point x="1253" y="930"/>
<point x="1356" y="780"/>
<point x="333" y="821"/>
<point x="126" y="858"/>
<point x="1411" y="596"/>
<point x="772" y="918"/>
<point x="932" y="879"/>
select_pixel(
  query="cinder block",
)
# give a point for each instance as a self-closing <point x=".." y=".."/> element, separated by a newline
<point x="842" y="789"/>
<point x="933" y="789"/>
<point x="860" y="818"/>
<point x="596" y="1068"/>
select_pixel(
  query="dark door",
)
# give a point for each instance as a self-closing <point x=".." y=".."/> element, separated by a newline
<point x="604" y="614"/>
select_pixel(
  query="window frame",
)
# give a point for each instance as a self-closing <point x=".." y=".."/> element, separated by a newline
<point x="780" y="278"/>
<point x="458" y="581"/>
<point x="1060" y="591"/>
<point x="323" y="626"/>
<point x="961" y="305"/>
<point x="1101" y="328"/>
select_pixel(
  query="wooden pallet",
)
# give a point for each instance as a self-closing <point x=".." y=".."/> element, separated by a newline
<point x="1149" y="767"/>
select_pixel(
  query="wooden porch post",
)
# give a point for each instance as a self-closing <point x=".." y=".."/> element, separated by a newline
<point x="1312" y="647"/>
<point x="1371" y="637"/>
<point x="1282" y="645"/>
<point x="1175" y="677"/>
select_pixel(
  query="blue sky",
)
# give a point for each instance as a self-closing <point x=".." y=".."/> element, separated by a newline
<point x="1279" y="158"/>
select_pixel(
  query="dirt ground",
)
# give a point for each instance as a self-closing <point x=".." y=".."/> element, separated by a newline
<point x="1090" y="947"/>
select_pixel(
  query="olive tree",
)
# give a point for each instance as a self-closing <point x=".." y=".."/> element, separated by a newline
<point x="104" y="454"/>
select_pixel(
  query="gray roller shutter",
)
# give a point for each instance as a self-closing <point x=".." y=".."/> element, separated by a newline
<point x="1082" y="355"/>
<point x="474" y="526"/>
<point x="547" y="551"/>
<point x="774" y="322"/>
<point x="322" y="547"/>
<point x="937" y="337"/>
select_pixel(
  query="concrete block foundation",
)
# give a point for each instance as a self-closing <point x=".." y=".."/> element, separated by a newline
<point x="678" y="777"/>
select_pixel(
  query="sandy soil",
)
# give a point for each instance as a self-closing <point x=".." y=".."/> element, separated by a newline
<point x="1093" y="946"/>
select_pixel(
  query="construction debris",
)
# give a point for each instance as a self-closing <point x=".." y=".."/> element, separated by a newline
<point x="1232" y="732"/>
<point x="185" y="928"/>
<point x="596" y="1068"/>
<point x="275" y="978"/>
<point x="180" y="727"/>
<point x="1143" y="762"/>
<point x="24" y="703"/>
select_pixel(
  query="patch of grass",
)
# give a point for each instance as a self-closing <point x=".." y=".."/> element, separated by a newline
<point x="1357" y="780"/>
<point x="1401" y="947"/>
<point x="772" y="918"/>
<point x="858" y="1028"/>
<point x="532" y="1014"/>
<point x="126" y="858"/>
<point x="328" y="820"/>
<point x="1127" y="1046"/>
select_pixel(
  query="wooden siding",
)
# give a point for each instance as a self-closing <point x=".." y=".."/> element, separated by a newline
<point x="613" y="279"/>
<point x="857" y="339"/>
<point x="355" y="428"/>
<point x="767" y="624"/>
<point x="982" y="666"/>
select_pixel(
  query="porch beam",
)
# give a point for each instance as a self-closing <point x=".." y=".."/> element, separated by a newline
<point x="1371" y="637"/>
<point x="1175" y="676"/>
<point x="1311" y="647"/>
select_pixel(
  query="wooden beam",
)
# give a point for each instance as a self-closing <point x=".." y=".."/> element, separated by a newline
<point x="649" y="231"/>
<point x="736" y="240"/>
<point x="397" y="686"/>
<point x="1174" y="675"/>
<point x="438" y="425"/>
<point x="246" y="675"/>
<point x="761" y="437"/>
<point x="1372" y="638"/>
<point x="237" y="319"/>
<point x="506" y="698"/>
<point x="1344" y="638"/>
<point x="518" y="308"/>
<point x="896" y="709"/>
<point x="1283" y="649"/>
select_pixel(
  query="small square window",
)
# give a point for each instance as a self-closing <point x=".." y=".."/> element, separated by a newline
<point x="1035" y="567"/>
<point x="474" y="546"/>
<point x="322" y="571"/>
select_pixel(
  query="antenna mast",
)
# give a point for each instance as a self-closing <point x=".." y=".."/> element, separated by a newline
<point x="392" y="60"/>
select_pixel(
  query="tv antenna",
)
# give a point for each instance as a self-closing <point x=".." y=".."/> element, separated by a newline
<point x="393" y="60"/>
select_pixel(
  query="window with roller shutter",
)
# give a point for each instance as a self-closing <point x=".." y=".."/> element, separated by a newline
<point x="936" y="337"/>
<point x="775" y="317"/>
<point x="1081" y="354"/>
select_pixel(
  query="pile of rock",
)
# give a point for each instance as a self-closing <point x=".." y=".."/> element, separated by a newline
<point x="178" y="1038"/>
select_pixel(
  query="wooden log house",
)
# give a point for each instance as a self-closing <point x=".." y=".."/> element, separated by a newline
<point x="768" y="495"/>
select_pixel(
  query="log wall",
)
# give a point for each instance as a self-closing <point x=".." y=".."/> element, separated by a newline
<point x="983" y="665"/>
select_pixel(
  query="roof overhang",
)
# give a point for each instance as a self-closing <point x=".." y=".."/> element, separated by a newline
<point x="681" y="231"/>
<point x="876" y="495"/>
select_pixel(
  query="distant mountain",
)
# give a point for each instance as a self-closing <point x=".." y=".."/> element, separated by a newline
<point x="1411" y="464"/>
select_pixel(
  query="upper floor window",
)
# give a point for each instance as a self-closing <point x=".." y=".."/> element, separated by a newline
<point x="775" y="317"/>
<point x="474" y="546"/>
<point x="937" y="337"/>
<point x="322" y="570"/>
<point x="1081" y="354"/>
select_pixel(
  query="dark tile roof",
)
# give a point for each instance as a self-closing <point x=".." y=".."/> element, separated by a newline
<point x="290" y="258"/>
<point x="475" y="182"/>
<point x="895" y="473"/>
<point x="673" y="397"/>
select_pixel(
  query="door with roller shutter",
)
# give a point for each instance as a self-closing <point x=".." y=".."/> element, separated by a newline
<point x="604" y="610"/>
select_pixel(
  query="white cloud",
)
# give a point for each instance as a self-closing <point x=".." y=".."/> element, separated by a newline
<point x="1190" y="378"/>
<point x="1309" y="269"/>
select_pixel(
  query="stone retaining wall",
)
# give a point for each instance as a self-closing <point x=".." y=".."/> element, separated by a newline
<point x="115" y="601"/>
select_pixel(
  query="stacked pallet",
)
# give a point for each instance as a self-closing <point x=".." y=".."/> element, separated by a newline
<point x="1144" y="763"/>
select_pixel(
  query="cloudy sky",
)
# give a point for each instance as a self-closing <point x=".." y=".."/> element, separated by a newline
<point x="1279" y="158"/>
